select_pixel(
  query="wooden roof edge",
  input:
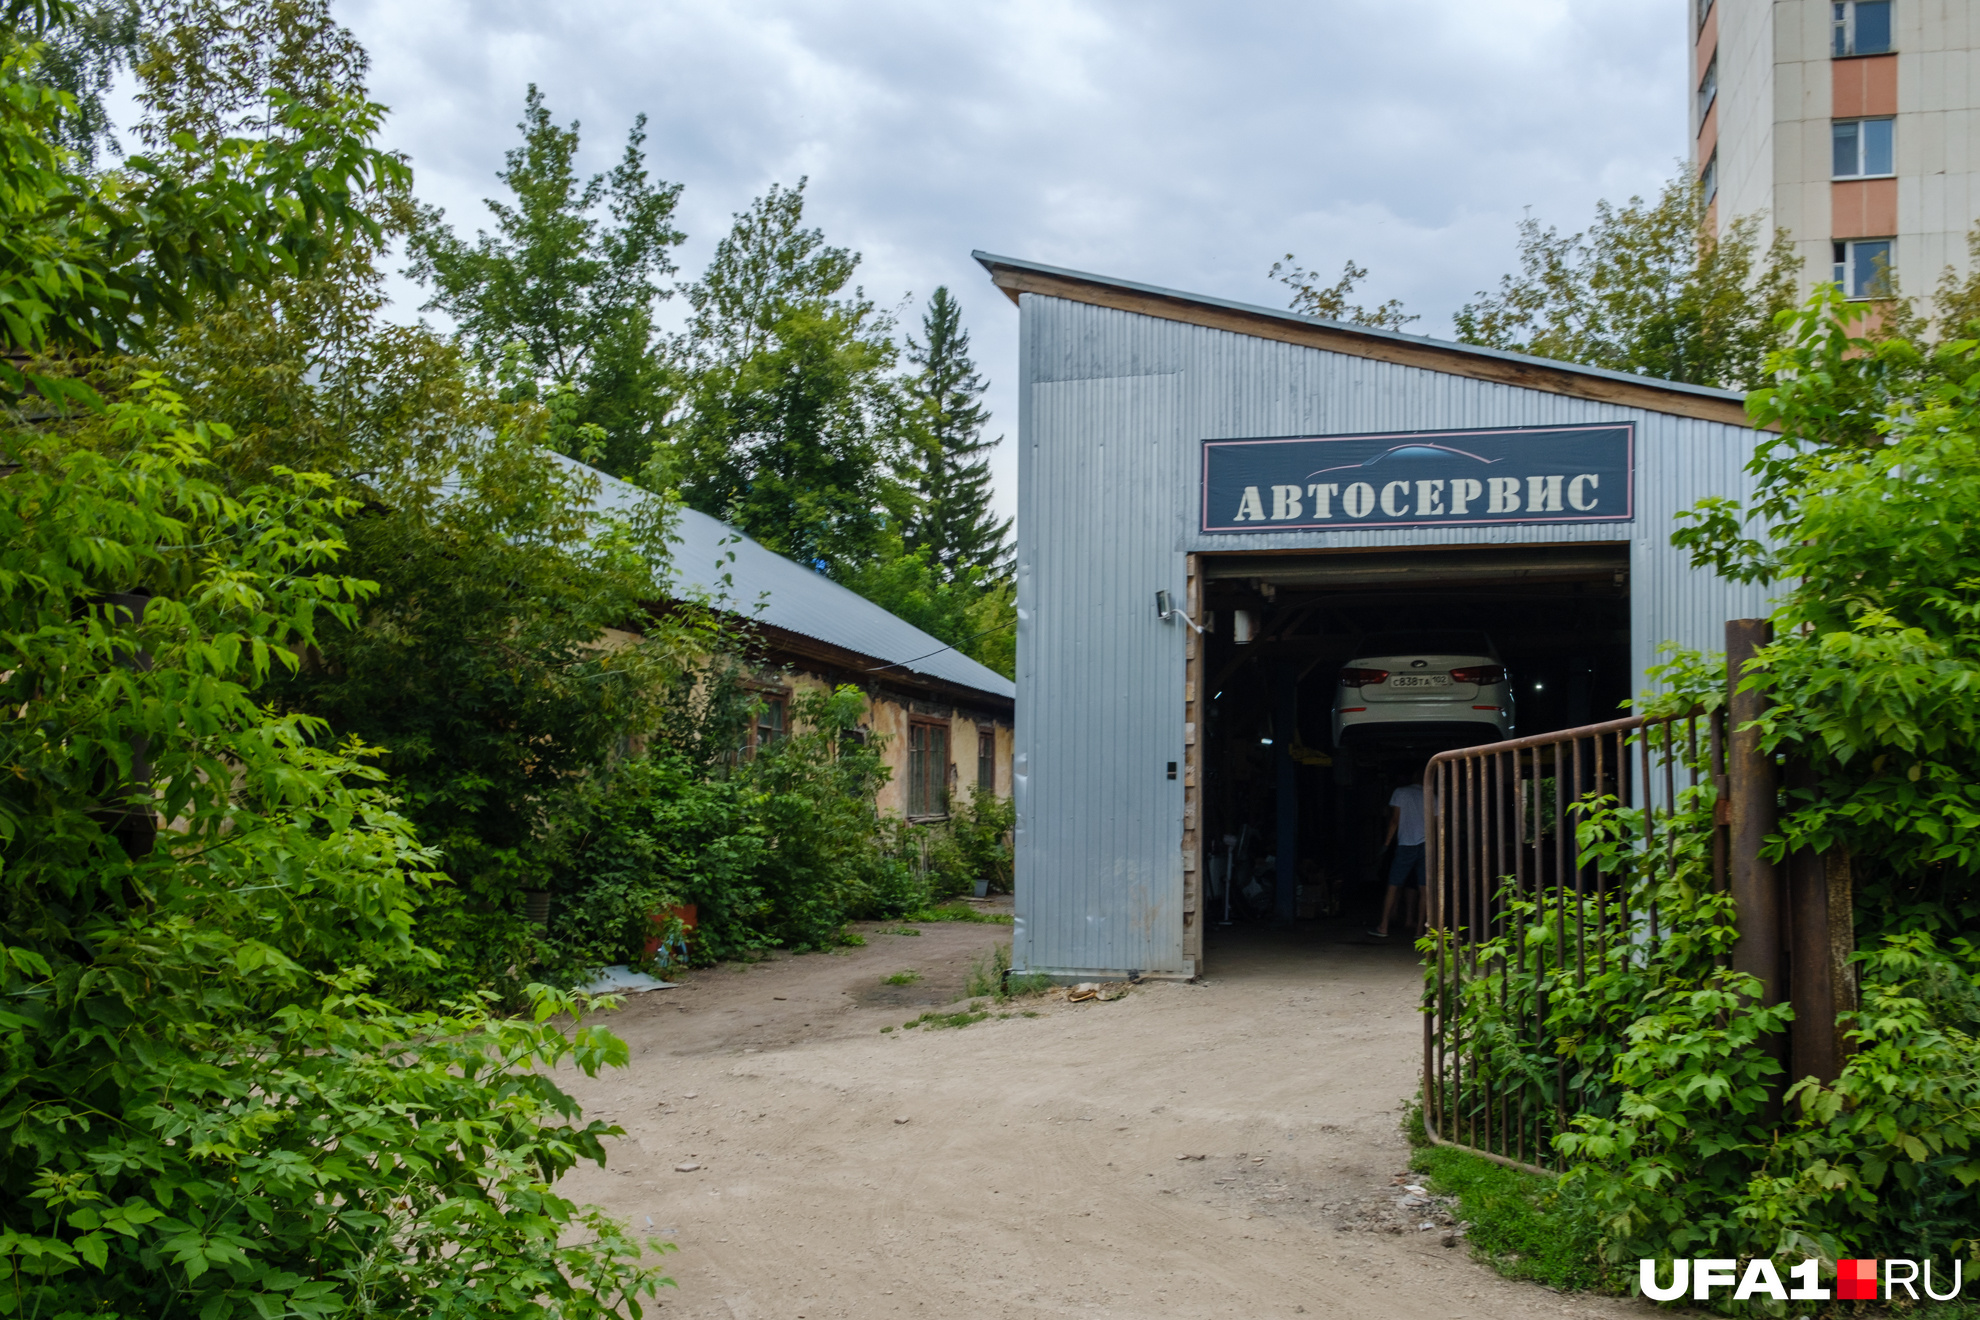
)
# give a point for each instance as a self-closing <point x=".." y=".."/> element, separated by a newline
<point x="1596" y="384"/>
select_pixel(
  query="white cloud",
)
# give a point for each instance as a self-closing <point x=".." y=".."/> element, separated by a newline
<point x="1181" y="144"/>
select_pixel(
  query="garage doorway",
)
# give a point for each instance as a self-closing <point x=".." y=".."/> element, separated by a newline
<point x="1291" y="825"/>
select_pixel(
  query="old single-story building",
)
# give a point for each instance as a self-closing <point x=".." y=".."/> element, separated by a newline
<point x="1219" y="503"/>
<point x="947" y="720"/>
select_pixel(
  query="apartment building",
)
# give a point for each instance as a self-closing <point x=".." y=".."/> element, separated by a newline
<point x="1852" y="124"/>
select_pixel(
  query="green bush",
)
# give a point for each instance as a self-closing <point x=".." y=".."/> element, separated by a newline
<point x="777" y="850"/>
<point x="972" y="845"/>
<point x="1691" y="1142"/>
<point x="202" y="1111"/>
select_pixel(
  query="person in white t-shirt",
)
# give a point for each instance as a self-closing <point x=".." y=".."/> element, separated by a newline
<point x="1406" y="871"/>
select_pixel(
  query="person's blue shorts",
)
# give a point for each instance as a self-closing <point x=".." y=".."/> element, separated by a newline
<point x="1406" y="871"/>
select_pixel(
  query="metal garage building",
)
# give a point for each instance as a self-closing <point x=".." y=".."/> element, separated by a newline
<point x="1124" y="491"/>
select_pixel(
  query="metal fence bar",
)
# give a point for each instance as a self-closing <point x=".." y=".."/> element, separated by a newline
<point x="1504" y="860"/>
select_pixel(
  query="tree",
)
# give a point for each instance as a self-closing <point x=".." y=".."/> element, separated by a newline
<point x="578" y="293"/>
<point x="215" y="69"/>
<point x="945" y="465"/>
<point x="202" y="1111"/>
<point x="81" y="57"/>
<point x="86" y="268"/>
<point x="1330" y="302"/>
<point x="1862" y="516"/>
<point x="1644" y="289"/>
<point x="791" y="421"/>
<point x="1958" y="300"/>
<point x="479" y="666"/>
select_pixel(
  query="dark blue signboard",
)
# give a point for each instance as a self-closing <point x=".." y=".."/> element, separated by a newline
<point x="1526" y="474"/>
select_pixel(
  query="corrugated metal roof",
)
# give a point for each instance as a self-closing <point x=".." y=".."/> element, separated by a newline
<point x="710" y="558"/>
<point x="992" y="262"/>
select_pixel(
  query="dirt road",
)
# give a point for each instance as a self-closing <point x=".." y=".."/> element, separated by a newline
<point x="1228" y="1148"/>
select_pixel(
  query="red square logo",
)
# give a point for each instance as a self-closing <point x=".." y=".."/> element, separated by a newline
<point x="1856" y="1280"/>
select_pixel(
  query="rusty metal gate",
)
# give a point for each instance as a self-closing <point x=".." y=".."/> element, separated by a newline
<point x="1503" y="863"/>
<point x="1518" y="910"/>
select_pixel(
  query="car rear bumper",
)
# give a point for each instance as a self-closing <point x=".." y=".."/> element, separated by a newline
<point x="1446" y="729"/>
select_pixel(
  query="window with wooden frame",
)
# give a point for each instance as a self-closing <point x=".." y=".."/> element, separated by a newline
<point x="928" y="769"/>
<point x="770" y="721"/>
<point x="986" y="758"/>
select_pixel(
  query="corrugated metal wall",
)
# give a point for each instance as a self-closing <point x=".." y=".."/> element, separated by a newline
<point x="1113" y="405"/>
<point x="1100" y="822"/>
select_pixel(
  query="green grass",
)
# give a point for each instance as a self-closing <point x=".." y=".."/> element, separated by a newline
<point x="990" y="975"/>
<point x="986" y="974"/>
<point x="909" y="977"/>
<point x="900" y="930"/>
<point x="959" y="912"/>
<point x="1521" y="1224"/>
<point x="963" y="1018"/>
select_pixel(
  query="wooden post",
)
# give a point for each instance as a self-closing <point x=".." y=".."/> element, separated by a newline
<point x="1755" y="793"/>
<point x="1196" y="655"/>
<point x="1822" y="936"/>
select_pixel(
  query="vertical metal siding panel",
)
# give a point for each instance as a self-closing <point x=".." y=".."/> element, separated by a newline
<point x="1102" y="869"/>
<point x="1104" y="521"/>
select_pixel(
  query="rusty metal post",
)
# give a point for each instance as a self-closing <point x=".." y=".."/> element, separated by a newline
<point x="1821" y="927"/>
<point x="1754" y="790"/>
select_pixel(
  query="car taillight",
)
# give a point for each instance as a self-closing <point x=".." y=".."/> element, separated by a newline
<point x="1356" y="677"/>
<point x="1479" y="674"/>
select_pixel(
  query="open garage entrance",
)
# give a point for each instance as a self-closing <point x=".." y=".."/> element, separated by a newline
<point x="1293" y="824"/>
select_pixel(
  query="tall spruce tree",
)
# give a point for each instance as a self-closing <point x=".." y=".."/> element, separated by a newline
<point x="576" y="289"/>
<point x="948" y="467"/>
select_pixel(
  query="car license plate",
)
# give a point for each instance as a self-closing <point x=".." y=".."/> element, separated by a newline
<point x="1419" y="680"/>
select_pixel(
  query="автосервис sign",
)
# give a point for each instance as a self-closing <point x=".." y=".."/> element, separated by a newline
<point x="1533" y="474"/>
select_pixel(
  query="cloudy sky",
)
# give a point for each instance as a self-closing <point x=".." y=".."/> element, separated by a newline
<point x="1186" y="145"/>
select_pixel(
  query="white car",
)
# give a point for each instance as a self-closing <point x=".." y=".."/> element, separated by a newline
<point x="1424" y="689"/>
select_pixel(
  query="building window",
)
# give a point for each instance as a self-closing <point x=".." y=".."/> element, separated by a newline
<point x="1708" y="182"/>
<point x="1864" y="148"/>
<point x="986" y="760"/>
<point x="1708" y="88"/>
<point x="1862" y="27"/>
<point x="1864" y="267"/>
<point x="769" y="725"/>
<point x="928" y="769"/>
<point x="1704" y="8"/>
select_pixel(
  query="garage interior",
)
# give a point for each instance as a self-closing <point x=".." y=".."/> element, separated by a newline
<point x="1293" y="824"/>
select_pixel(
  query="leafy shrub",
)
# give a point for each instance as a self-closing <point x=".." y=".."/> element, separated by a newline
<point x="780" y="849"/>
<point x="1683" y="1146"/>
<point x="650" y="834"/>
<point x="1679" y="1147"/>
<point x="972" y="844"/>
<point x="202" y="1112"/>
